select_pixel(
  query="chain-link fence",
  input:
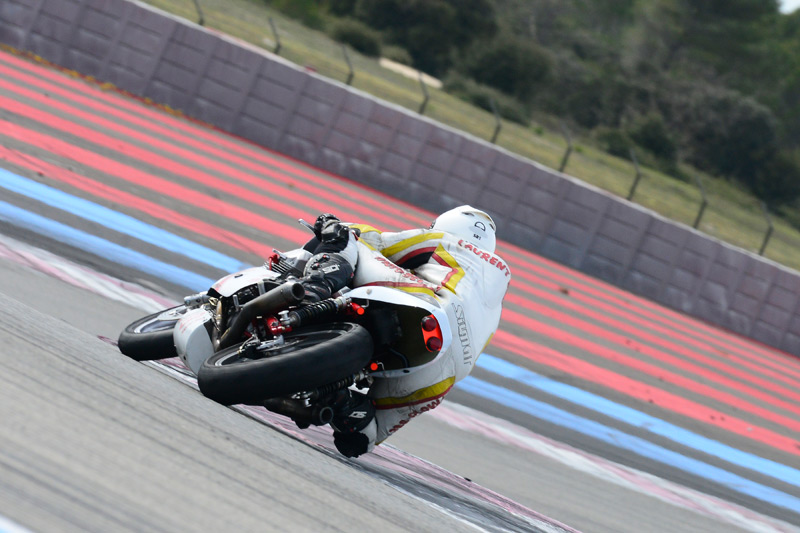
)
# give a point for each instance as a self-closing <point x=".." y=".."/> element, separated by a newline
<point x="720" y="211"/>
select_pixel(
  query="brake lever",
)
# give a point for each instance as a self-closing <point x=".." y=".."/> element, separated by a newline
<point x="306" y="224"/>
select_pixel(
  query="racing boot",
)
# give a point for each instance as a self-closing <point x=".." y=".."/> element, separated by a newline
<point x="353" y="423"/>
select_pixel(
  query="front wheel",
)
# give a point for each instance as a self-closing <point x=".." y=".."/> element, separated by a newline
<point x="310" y="357"/>
<point x="151" y="337"/>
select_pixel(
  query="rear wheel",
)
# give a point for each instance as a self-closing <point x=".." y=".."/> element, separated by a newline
<point x="305" y="359"/>
<point x="151" y="337"/>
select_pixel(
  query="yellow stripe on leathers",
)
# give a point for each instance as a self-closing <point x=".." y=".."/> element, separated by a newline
<point x="411" y="241"/>
<point x="422" y="395"/>
<point x="453" y="280"/>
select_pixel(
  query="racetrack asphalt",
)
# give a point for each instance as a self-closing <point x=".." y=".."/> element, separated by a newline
<point x="62" y="136"/>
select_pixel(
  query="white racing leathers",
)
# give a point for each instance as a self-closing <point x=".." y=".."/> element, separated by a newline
<point x="466" y="282"/>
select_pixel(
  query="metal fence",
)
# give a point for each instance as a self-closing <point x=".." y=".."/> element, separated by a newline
<point x="497" y="127"/>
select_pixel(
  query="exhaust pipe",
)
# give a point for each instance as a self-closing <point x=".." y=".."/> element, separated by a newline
<point x="302" y="415"/>
<point x="290" y="293"/>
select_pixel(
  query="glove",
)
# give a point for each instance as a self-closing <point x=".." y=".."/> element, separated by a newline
<point x="351" y="444"/>
<point x="327" y="227"/>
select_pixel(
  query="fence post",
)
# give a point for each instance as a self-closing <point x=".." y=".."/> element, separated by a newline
<point x="498" y="123"/>
<point x="200" y="18"/>
<point x="702" y="205"/>
<point x="349" y="65"/>
<point x="568" y="137"/>
<point x="638" y="175"/>
<point x="424" y="92"/>
<point x="770" y="228"/>
<point x="277" y="50"/>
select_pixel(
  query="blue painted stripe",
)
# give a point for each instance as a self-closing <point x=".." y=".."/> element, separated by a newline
<point x="102" y="248"/>
<point x="192" y="281"/>
<point x="624" y="441"/>
<point x="641" y="420"/>
<point x="118" y="222"/>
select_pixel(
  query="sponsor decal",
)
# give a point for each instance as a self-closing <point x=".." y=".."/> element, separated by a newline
<point x="486" y="256"/>
<point x="424" y="409"/>
<point x="405" y="273"/>
<point x="463" y="334"/>
<point x="190" y="321"/>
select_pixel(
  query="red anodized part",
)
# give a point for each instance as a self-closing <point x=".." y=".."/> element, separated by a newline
<point x="275" y="326"/>
<point x="356" y="309"/>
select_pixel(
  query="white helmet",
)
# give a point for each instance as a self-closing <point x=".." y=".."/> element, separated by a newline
<point x="470" y="224"/>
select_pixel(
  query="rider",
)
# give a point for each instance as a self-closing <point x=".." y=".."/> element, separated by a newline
<point x="451" y="263"/>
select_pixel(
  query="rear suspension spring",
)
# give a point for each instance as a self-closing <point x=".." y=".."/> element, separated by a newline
<point x="327" y="307"/>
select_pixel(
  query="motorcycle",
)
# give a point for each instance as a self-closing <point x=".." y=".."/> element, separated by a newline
<point x="252" y="339"/>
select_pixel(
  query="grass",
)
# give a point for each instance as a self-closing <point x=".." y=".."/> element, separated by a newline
<point x="732" y="215"/>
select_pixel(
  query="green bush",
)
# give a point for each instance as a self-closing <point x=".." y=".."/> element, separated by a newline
<point x="306" y="11"/>
<point x="651" y="133"/>
<point x="777" y="182"/>
<point x="575" y="92"/>
<point x="724" y="132"/>
<point x="483" y="96"/>
<point x="358" y="35"/>
<point x="614" y="141"/>
<point x="340" y="8"/>
<point x="398" y="54"/>
<point x="514" y="66"/>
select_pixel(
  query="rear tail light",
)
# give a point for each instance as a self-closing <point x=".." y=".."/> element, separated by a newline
<point x="431" y="333"/>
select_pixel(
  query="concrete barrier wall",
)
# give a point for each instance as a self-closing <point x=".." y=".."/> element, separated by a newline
<point x="261" y="97"/>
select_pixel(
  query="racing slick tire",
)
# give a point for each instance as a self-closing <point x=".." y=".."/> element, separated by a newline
<point x="151" y="337"/>
<point x="309" y="357"/>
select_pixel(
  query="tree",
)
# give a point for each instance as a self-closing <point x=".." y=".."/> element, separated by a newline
<point x="723" y="132"/>
<point x="431" y="30"/>
<point x="514" y="66"/>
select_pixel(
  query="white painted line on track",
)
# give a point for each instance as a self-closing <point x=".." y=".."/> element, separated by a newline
<point x="456" y="415"/>
<point x="477" y="422"/>
<point x="82" y="277"/>
<point x="7" y="526"/>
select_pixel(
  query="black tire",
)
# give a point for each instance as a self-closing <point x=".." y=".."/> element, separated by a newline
<point x="310" y="357"/>
<point x="151" y="337"/>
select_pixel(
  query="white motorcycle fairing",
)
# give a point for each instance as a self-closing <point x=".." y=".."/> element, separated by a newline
<point x="191" y="333"/>
<point x="400" y="298"/>
<point x="231" y="283"/>
<point x="192" y="341"/>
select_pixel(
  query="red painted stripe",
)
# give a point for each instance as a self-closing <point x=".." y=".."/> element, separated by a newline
<point x="642" y="392"/>
<point x="122" y="102"/>
<point x="715" y="334"/>
<point x="707" y="335"/>
<point x="101" y="190"/>
<point x="102" y="164"/>
<point x="688" y="384"/>
<point x="161" y="186"/>
<point x="317" y="199"/>
<point x="142" y="154"/>
<point x="665" y="337"/>
<point x="216" y="143"/>
<point x="109" y="142"/>
<point x="138" y="110"/>
<point x="659" y="355"/>
<point x="168" y="164"/>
